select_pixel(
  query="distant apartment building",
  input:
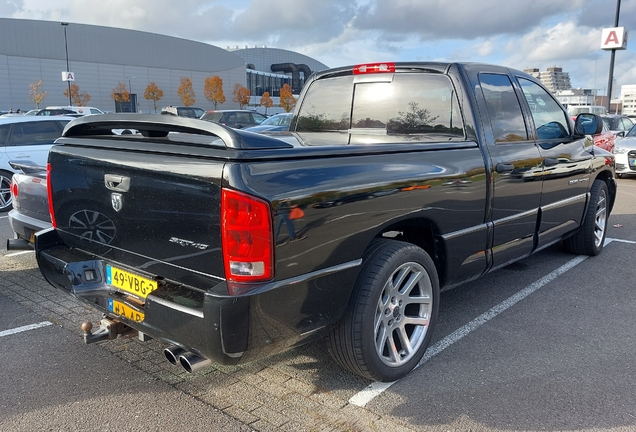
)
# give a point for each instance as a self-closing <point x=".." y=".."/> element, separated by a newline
<point x="577" y="96"/>
<point x="628" y="97"/>
<point x="554" y="78"/>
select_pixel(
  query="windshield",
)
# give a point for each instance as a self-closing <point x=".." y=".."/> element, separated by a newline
<point x="632" y="132"/>
<point x="278" y="120"/>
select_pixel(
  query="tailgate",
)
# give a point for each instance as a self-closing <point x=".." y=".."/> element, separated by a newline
<point x="148" y="200"/>
<point x="155" y="213"/>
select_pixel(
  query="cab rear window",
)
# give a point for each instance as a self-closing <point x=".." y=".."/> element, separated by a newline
<point x="401" y="106"/>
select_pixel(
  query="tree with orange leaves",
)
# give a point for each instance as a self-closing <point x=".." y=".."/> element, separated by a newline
<point x="287" y="99"/>
<point x="241" y="95"/>
<point x="213" y="90"/>
<point x="186" y="92"/>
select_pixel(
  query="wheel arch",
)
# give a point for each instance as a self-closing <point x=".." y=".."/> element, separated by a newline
<point x="421" y="232"/>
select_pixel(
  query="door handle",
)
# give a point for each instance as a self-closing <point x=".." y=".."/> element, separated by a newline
<point x="504" y="168"/>
<point x="549" y="162"/>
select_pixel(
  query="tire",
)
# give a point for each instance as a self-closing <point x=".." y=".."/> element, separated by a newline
<point x="6" y="202"/>
<point x="589" y="239"/>
<point x="391" y="316"/>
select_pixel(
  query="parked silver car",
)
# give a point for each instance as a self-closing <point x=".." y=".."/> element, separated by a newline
<point x="625" y="153"/>
<point x="30" y="212"/>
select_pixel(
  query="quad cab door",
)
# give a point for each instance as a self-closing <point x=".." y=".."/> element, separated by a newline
<point x="516" y="169"/>
<point x="566" y="162"/>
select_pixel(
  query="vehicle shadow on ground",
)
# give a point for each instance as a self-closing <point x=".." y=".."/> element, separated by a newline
<point x="562" y="358"/>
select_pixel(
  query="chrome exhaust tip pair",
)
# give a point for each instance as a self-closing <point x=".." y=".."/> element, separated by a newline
<point x="190" y="361"/>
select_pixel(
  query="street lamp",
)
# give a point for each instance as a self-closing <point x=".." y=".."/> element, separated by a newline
<point x="130" y="92"/>
<point x="68" y="68"/>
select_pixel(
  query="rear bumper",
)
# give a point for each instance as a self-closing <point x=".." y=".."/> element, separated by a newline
<point x="24" y="226"/>
<point x="225" y="329"/>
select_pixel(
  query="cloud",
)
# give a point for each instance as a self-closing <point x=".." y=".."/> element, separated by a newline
<point x="461" y="19"/>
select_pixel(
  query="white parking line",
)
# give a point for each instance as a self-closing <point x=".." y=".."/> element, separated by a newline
<point x="24" y="328"/>
<point x="365" y="396"/>
<point x="19" y="253"/>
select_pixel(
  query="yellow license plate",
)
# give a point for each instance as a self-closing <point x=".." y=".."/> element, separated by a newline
<point x="131" y="283"/>
<point x="122" y="309"/>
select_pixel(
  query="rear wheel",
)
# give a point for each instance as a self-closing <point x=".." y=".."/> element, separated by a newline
<point x="5" y="191"/>
<point x="389" y="322"/>
<point x="589" y="239"/>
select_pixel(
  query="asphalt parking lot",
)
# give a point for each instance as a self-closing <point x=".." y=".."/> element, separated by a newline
<point x="544" y="344"/>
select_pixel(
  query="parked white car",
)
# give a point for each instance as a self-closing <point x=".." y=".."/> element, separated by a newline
<point x="81" y="110"/>
<point x="26" y="139"/>
<point x="625" y="153"/>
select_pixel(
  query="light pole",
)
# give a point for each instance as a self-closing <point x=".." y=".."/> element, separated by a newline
<point x="133" y="108"/>
<point x="68" y="68"/>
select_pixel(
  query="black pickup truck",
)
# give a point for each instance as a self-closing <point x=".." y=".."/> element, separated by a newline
<point x="397" y="180"/>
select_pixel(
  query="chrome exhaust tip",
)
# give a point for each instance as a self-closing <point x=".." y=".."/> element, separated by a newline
<point x="192" y="362"/>
<point x="173" y="352"/>
<point x="18" y="244"/>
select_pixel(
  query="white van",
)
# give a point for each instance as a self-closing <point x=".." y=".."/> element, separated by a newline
<point x="81" y="110"/>
<point x="575" y="110"/>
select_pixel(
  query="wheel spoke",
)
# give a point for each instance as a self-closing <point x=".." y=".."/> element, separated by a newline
<point x="419" y="321"/>
<point x="393" y="352"/>
<point x="405" y="342"/>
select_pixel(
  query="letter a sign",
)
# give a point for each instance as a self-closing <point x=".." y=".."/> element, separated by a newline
<point x="614" y="38"/>
<point x="68" y="76"/>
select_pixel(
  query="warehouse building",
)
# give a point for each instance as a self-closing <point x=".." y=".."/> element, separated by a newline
<point x="103" y="58"/>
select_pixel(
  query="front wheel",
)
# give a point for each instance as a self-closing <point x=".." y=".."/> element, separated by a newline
<point x="390" y="319"/>
<point x="5" y="191"/>
<point x="590" y="237"/>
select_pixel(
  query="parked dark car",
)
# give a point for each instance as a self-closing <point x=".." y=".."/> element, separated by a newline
<point x="183" y="111"/>
<point x="276" y="123"/>
<point x="617" y="123"/>
<point x="237" y="119"/>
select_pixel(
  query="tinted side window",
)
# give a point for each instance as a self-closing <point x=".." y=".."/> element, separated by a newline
<point x="549" y="119"/>
<point x="34" y="133"/>
<point x="243" y="118"/>
<point x="503" y="107"/>
<point x="4" y="134"/>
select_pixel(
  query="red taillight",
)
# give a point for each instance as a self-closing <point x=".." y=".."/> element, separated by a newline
<point x="49" y="193"/>
<point x="14" y="189"/>
<point x="373" y="68"/>
<point x="246" y="237"/>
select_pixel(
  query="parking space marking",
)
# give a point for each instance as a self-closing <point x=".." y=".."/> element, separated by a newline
<point x="365" y="396"/>
<point x="19" y="253"/>
<point x="24" y="328"/>
<point x="609" y="240"/>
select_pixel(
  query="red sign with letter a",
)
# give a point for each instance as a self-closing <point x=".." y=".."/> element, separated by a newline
<point x="614" y="38"/>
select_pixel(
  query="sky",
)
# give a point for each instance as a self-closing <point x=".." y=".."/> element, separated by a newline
<point x="514" y="33"/>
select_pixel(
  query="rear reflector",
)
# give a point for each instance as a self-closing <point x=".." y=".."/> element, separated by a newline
<point x="374" y="68"/>
<point x="246" y="237"/>
<point x="49" y="193"/>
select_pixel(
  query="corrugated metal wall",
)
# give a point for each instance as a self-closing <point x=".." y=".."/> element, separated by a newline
<point x="101" y="57"/>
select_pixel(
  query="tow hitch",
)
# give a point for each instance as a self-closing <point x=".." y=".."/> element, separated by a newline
<point x="108" y="329"/>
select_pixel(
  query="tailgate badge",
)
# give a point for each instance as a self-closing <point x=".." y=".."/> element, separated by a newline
<point x="117" y="200"/>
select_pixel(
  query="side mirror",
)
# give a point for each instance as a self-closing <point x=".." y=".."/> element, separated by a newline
<point x="621" y="134"/>
<point x="588" y="124"/>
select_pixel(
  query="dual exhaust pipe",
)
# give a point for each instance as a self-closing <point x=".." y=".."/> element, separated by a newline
<point x="18" y="244"/>
<point x="190" y="361"/>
